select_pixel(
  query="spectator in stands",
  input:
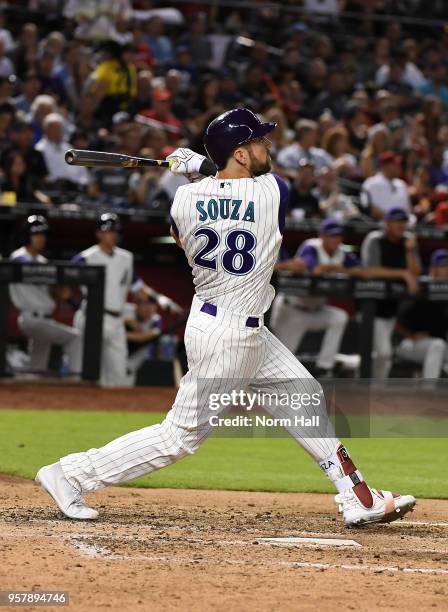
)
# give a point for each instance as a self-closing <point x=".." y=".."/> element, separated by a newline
<point x="114" y="81"/>
<point x="378" y="142"/>
<point x="6" y="65"/>
<point x="335" y="143"/>
<point x="50" y="83"/>
<point x="161" y="45"/>
<point x="437" y="169"/>
<point x="53" y="148"/>
<point x="293" y="316"/>
<point x="5" y="35"/>
<point x="304" y="147"/>
<point x="16" y="179"/>
<point x="424" y="326"/>
<point x="6" y="122"/>
<point x="7" y="87"/>
<point x="160" y="115"/>
<point x="421" y="192"/>
<point x="302" y="200"/>
<point x="143" y="324"/>
<point x="197" y="41"/>
<point x="436" y="85"/>
<point x="42" y="106"/>
<point x="144" y="90"/>
<point x="24" y="53"/>
<point x="22" y="141"/>
<point x="385" y="190"/>
<point x="391" y="252"/>
<point x="29" y="87"/>
<point x="334" y="97"/>
<point x="397" y="135"/>
<point x="95" y="20"/>
<point x="399" y="70"/>
<point x="355" y="122"/>
<point x="332" y="202"/>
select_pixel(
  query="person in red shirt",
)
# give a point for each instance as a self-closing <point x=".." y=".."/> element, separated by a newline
<point x="161" y="112"/>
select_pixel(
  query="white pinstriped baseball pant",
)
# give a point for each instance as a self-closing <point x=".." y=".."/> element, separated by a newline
<point x="218" y="348"/>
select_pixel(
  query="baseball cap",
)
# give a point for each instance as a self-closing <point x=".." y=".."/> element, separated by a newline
<point x="439" y="257"/>
<point x="161" y="95"/>
<point x="388" y="157"/>
<point x="396" y="214"/>
<point x="331" y="227"/>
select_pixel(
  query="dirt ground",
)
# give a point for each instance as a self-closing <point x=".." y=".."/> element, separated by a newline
<point x="203" y="550"/>
<point x="164" y="550"/>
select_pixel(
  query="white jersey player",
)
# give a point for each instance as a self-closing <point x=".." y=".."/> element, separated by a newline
<point x="230" y="226"/>
<point x="35" y="305"/>
<point x="120" y="279"/>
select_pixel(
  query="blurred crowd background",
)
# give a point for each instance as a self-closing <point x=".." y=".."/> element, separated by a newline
<point x="361" y="100"/>
<point x="359" y="90"/>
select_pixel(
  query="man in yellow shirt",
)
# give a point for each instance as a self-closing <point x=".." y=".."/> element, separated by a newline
<point x="114" y="81"/>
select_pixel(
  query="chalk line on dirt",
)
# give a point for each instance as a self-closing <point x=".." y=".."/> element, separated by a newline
<point x="100" y="552"/>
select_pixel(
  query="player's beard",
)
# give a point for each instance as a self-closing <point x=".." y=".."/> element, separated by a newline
<point x="257" y="168"/>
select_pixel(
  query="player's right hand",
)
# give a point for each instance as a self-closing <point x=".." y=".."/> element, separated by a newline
<point x="186" y="161"/>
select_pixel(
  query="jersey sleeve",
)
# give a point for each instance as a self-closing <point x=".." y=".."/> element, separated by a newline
<point x="309" y="254"/>
<point x="370" y="251"/>
<point x="174" y="227"/>
<point x="284" y="201"/>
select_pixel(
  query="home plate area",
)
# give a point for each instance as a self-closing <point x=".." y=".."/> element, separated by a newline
<point x="181" y="550"/>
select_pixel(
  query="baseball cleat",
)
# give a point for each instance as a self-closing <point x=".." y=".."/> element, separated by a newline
<point x="386" y="507"/>
<point x="68" y="498"/>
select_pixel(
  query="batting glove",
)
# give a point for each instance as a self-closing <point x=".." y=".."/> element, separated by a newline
<point x="186" y="161"/>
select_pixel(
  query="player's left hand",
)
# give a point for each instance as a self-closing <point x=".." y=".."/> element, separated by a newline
<point x="168" y="304"/>
<point x="186" y="161"/>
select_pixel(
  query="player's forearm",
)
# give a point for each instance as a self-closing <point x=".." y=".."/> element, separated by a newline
<point x="413" y="263"/>
<point x="329" y="268"/>
<point x="290" y="265"/>
<point x="382" y="272"/>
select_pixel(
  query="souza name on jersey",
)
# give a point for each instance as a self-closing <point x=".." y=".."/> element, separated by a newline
<point x="225" y="208"/>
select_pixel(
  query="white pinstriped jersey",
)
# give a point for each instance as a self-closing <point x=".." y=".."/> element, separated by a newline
<point x="119" y="270"/>
<point x="231" y="231"/>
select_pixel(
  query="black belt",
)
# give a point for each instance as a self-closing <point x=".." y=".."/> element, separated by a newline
<point x="212" y="310"/>
<point x="113" y="313"/>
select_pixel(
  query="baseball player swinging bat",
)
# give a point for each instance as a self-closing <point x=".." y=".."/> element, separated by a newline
<point x="103" y="159"/>
<point x="231" y="228"/>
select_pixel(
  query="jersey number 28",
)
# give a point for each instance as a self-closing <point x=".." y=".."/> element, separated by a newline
<point x="236" y="259"/>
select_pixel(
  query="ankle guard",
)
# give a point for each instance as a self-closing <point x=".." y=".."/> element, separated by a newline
<point x="341" y="470"/>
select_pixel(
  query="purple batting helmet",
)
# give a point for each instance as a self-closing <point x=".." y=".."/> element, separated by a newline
<point x="230" y="130"/>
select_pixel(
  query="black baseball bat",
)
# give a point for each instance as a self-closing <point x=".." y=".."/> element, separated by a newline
<point x="103" y="159"/>
<point x="80" y="157"/>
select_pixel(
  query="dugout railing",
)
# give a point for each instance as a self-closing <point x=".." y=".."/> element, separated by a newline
<point x="59" y="273"/>
<point x="366" y="292"/>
